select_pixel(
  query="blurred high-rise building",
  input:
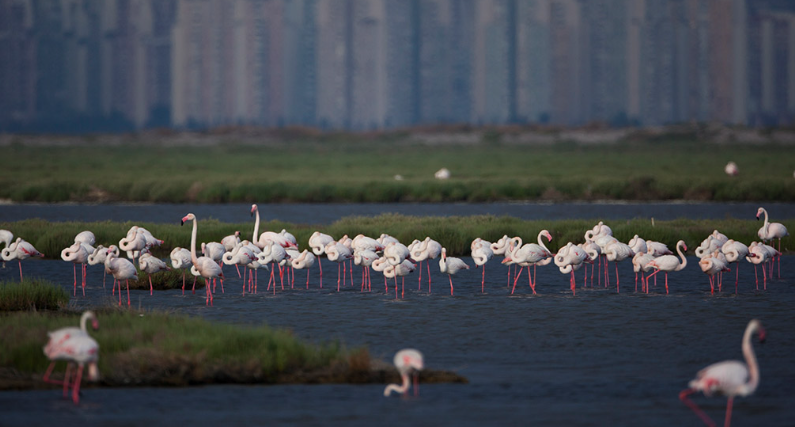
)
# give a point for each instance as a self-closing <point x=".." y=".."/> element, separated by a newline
<point x="100" y="65"/>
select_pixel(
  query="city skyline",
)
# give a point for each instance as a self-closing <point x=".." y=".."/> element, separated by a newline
<point x="89" y="65"/>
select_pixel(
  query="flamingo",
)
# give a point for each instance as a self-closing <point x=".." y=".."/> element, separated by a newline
<point x="481" y="254"/>
<point x="231" y="241"/>
<point x="734" y="251"/>
<point x="180" y="259"/>
<point x="121" y="269"/>
<point x="770" y="231"/>
<point x="407" y="361"/>
<point x="276" y="254"/>
<point x="730" y="378"/>
<point x="639" y="264"/>
<point x="99" y="255"/>
<point x="569" y="259"/>
<point x="289" y="237"/>
<point x="136" y="240"/>
<point x="20" y="250"/>
<point x="428" y="248"/>
<point x="77" y="254"/>
<point x="339" y="253"/>
<point x="758" y="254"/>
<point x="731" y="169"/>
<point x="269" y="235"/>
<point x="618" y="252"/>
<point x="5" y="237"/>
<point x="215" y="251"/>
<point x="57" y="337"/>
<point x="638" y="244"/>
<point x="594" y="252"/>
<point x="205" y="266"/>
<point x="527" y="255"/>
<point x="318" y="242"/>
<point x="708" y="246"/>
<point x="365" y="258"/>
<point x="86" y="237"/>
<point x="668" y="263"/>
<point x="77" y="348"/>
<point x="151" y="265"/>
<point x="239" y="255"/>
<point x="403" y="269"/>
<point x="451" y="265"/>
<point x="657" y="249"/>
<point x="380" y="266"/>
<point x="304" y="261"/>
<point x="712" y="265"/>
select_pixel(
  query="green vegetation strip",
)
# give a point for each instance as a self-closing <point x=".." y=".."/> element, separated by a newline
<point x="162" y="349"/>
<point x="363" y="170"/>
<point x="455" y="233"/>
<point x="33" y="294"/>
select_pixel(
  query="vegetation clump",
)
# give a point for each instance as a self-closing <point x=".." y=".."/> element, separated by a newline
<point x="35" y="294"/>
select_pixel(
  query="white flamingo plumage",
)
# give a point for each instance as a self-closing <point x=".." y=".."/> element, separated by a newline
<point x="640" y="265"/>
<point x="734" y="251"/>
<point x="637" y="244"/>
<point x="205" y="266"/>
<point x="569" y="259"/>
<point x="730" y="378"/>
<point x="77" y="254"/>
<point x="365" y="258"/>
<point x="426" y="249"/>
<point x="99" y="255"/>
<point x="451" y="265"/>
<point x="668" y="263"/>
<point x="151" y="264"/>
<point x="231" y="241"/>
<point x="74" y="346"/>
<point x="303" y="261"/>
<point x="401" y="270"/>
<point x="120" y="269"/>
<point x="770" y="231"/>
<point x="618" y="252"/>
<point x="481" y="254"/>
<point x="20" y="250"/>
<point x="180" y="259"/>
<point x="712" y="265"/>
<point x="339" y="253"/>
<point x="657" y="249"/>
<point x="527" y="255"/>
<point x="407" y="361"/>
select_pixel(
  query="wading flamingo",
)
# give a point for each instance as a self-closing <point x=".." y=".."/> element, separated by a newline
<point x="407" y="361"/>
<point x="770" y="231"/>
<point x="150" y="264"/>
<point x="339" y="253"/>
<point x="365" y="258"/>
<point x="618" y="252"/>
<point x="639" y="265"/>
<point x="481" y="254"/>
<point x="758" y="254"/>
<point x="5" y="237"/>
<point x="403" y="269"/>
<point x="735" y="251"/>
<point x="657" y="249"/>
<point x="427" y="249"/>
<point x="78" y="349"/>
<point x="205" y="266"/>
<point x="120" y="269"/>
<point x="99" y="255"/>
<point x="304" y="261"/>
<point x="569" y="259"/>
<point x="20" y="250"/>
<point x="180" y="259"/>
<point x="667" y="263"/>
<point x="318" y="242"/>
<point x="57" y="338"/>
<point x="712" y="265"/>
<point x="77" y="254"/>
<point x="527" y="255"/>
<point x="451" y="265"/>
<point x="730" y="378"/>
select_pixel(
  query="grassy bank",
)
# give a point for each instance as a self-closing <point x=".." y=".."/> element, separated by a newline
<point x="161" y="349"/>
<point x="455" y="233"/>
<point x="364" y="170"/>
<point x="35" y="294"/>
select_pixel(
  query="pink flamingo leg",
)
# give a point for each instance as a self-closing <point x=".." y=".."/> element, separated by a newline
<point x="150" y="283"/>
<point x="764" y="275"/>
<point x="307" y="277"/>
<point x="238" y="270"/>
<point x="396" y="297"/>
<point x="483" y="281"/>
<point x="84" y="279"/>
<point x="419" y="288"/>
<point x="74" y="274"/>
<point x="666" y="283"/>
<point x="683" y="397"/>
<point x="128" y="292"/>
<point x="66" y="379"/>
<point x="20" y="271"/>
<point x="451" y="284"/>
<point x="183" y="283"/>
<point x="599" y="274"/>
<point x="76" y="388"/>
<point x="533" y="283"/>
<point x="617" y="283"/>
<point x="194" y="285"/>
<point x="46" y="377"/>
<point x="428" y="265"/>
<point x="779" y="257"/>
<point x="517" y="278"/>
<point x="339" y="268"/>
<point x="728" y="421"/>
<point x="585" y="277"/>
<point x="403" y="287"/>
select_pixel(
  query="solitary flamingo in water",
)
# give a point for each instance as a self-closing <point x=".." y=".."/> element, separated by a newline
<point x="205" y="266"/>
<point x="770" y="231"/>
<point x="481" y="254"/>
<point x="730" y="378"/>
<point x="407" y="361"/>
<point x="79" y="349"/>
<point x="20" y="250"/>
<point x="451" y="265"/>
<point x="668" y="263"/>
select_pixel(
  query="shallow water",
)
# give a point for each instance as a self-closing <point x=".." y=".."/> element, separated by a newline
<point x="597" y="358"/>
<point x="327" y="213"/>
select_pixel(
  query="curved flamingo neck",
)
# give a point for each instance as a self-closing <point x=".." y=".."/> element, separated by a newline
<point x="750" y="360"/>
<point x="398" y="388"/>
<point x="83" y="320"/>
<point x="193" y="258"/>
<point x="541" y="242"/>
<point x="683" y="264"/>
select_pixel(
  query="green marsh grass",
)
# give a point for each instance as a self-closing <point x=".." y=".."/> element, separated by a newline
<point x="455" y="233"/>
<point x="362" y="170"/>
<point x="36" y="294"/>
<point x="157" y="348"/>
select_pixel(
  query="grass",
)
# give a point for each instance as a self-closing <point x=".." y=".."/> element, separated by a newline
<point x="362" y="170"/>
<point x="164" y="349"/>
<point x="455" y="233"/>
<point x="36" y="294"/>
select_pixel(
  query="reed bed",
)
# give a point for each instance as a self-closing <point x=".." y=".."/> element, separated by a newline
<point x="308" y="171"/>
<point x="31" y="294"/>
<point x="455" y="233"/>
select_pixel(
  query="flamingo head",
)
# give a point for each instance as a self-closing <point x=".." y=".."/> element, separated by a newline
<point x="237" y="233"/>
<point x="444" y="254"/>
<point x="94" y="323"/>
<point x="759" y="212"/>
<point x="684" y="247"/>
<point x="253" y="209"/>
<point x="548" y="235"/>
<point x="188" y="217"/>
<point x="507" y="259"/>
<point x="762" y="334"/>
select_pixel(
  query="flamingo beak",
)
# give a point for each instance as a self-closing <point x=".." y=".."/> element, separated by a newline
<point x="762" y="335"/>
<point x="95" y="324"/>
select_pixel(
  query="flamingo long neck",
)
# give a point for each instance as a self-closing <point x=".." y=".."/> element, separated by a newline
<point x="541" y="242"/>
<point x="83" y="320"/>
<point x="256" y="227"/>
<point x="683" y="264"/>
<point x="750" y="360"/>
<point x="398" y="388"/>
<point x="766" y="221"/>
<point x="193" y="258"/>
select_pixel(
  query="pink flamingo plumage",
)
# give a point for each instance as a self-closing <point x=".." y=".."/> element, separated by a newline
<point x="77" y="348"/>
<point x="407" y="361"/>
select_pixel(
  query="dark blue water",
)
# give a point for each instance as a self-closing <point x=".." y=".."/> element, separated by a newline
<point x="597" y="358"/>
<point x="328" y="213"/>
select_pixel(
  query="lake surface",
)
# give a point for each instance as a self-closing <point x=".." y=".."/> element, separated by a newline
<point x="597" y="358"/>
<point x="328" y="213"/>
